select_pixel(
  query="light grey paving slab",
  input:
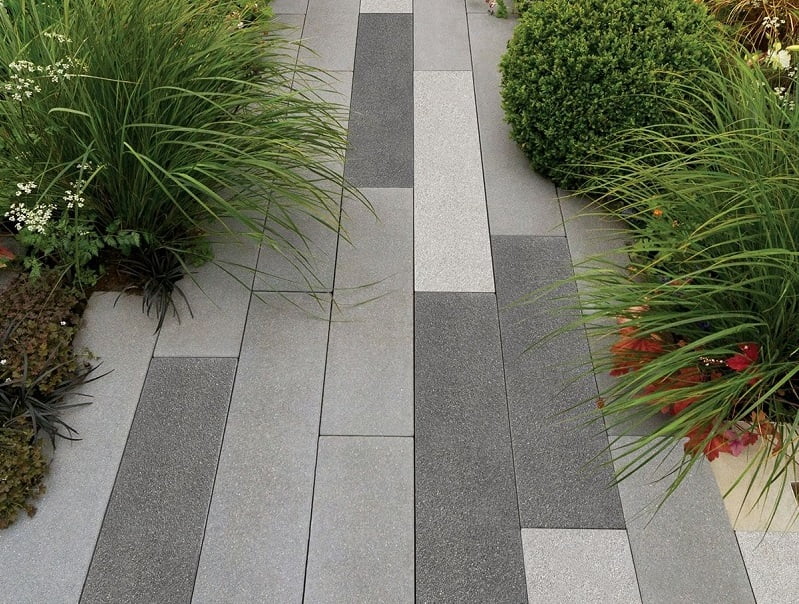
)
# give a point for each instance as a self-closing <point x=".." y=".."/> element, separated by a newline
<point x="687" y="552"/>
<point x="579" y="565"/>
<point x="452" y="250"/>
<point x="560" y="446"/>
<point x="369" y="380"/>
<point x="380" y="152"/>
<point x="440" y="36"/>
<point x="520" y="202"/>
<point x="386" y="6"/>
<point x="330" y="31"/>
<point x="218" y="295"/>
<point x="289" y="7"/>
<point x="771" y="563"/>
<point x="591" y="234"/>
<point x="45" y="558"/>
<point x="468" y="541"/>
<point x="362" y="532"/>
<point x="258" y="524"/>
<point x="149" y="544"/>
<point x="291" y="28"/>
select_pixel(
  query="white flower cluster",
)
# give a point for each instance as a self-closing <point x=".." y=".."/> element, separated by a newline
<point x="25" y="187"/>
<point x="57" y="37"/>
<point x="772" y="23"/>
<point x="74" y="198"/>
<point x="34" y="219"/>
<point x="779" y="59"/>
<point x="787" y="102"/>
<point x="23" y="86"/>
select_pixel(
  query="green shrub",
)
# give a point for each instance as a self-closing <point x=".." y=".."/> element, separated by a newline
<point x="169" y="118"/>
<point x="705" y="318"/>
<point x="22" y="469"/>
<point x="577" y="72"/>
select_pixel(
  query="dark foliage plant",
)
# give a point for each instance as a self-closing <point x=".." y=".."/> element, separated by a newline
<point x="577" y="72"/>
<point x="22" y="470"/>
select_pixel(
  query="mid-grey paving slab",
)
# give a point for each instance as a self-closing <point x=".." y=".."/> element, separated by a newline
<point x="579" y="565"/>
<point x="440" y="36"/>
<point x="451" y="243"/>
<point x="258" y="523"/>
<point x="770" y="560"/>
<point x="369" y="380"/>
<point x="386" y="6"/>
<point x="289" y="7"/>
<point x="331" y="27"/>
<point x="149" y="544"/>
<point x="362" y="533"/>
<point x="292" y="31"/>
<point x="380" y="152"/>
<point x="218" y="293"/>
<point x="560" y="446"/>
<point x="45" y="558"/>
<point x="468" y="541"/>
<point x="686" y="552"/>
<point x="520" y="202"/>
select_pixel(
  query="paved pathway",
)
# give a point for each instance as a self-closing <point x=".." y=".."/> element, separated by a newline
<point x="288" y="448"/>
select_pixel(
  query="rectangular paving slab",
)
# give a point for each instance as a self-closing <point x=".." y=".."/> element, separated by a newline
<point x="331" y="27"/>
<point x="45" y="558"/>
<point x="149" y="544"/>
<point x="361" y="545"/>
<point x="289" y="7"/>
<point x="562" y="474"/>
<point x="686" y="552"/>
<point x="452" y="250"/>
<point x="520" y="202"/>
<point x="440" y="36"/>
<point x="369" y="379"/>
<point x="579" y="565"/>
<point x="468" y="541"/>
<point x="258" y="523"/>
<point x="380" y="150"/>
<point x="386" y="6"/>
<point x="771" y="564"/>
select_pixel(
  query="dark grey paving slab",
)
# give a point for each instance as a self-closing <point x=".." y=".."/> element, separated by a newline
<point x="441" y="37"/>
<point x="380" y="150"/>
<point x="45" y="558"/>
<point x="330" y="31"/>
<point x="468" y="542"/>
<point x="687" y="551"/>
<point x="560" y="478"/>
<point x="520" y="202"/>
<point x="369" y="379"/>
<point x="149" y="544"/>
<point x="579" y="565"/>
<point x="258" y="523"/>
<point x="361" y="545"/>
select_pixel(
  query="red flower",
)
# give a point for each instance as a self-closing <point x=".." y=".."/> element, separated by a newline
<point x="739" y="362"/>
<point x="631" y="353"/>
<point x="684" y="378"/>
<point x="731" y="442"/>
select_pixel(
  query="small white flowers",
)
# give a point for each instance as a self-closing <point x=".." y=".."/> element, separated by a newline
<point x="772" y="23"/>
<point x="22" y="84"/>
<point x="63" y="323"/>
<point x="57" y="37"/>
<point x="25" y="187"/>
<point x="3" y="361"/>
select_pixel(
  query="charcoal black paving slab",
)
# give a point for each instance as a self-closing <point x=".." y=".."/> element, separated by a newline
<point x="560" y="479"/>
<point x="149" y="544"/>
<point x="380" y="150"/>
<point x="468" y="541"/>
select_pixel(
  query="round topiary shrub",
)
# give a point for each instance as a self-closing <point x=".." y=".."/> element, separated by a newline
<point x="576" y="72"/>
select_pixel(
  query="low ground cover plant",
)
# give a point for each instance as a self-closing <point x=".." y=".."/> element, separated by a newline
<point x="577" y="72"/>
<point x="702" y="324"/>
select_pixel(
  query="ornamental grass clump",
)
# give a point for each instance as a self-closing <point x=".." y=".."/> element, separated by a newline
<point x="702" y="325"/>
<point x="577" y="72"/>
<point x="131" y="130"/>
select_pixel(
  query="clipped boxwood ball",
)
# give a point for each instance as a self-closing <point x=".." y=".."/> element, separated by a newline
<point x="576" y="72"/>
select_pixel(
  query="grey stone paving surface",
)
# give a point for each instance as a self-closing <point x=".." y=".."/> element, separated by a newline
<point x="577" y="565"/>
<point x="330" y="31"/>
<point x="289" y="7"/>
<point x="687" y="552"/>
<point x="386" y="6"/>
<point x="362" y="532"/>
<point x="451" y="244"/>
<point x="257" y="534"/>
<point x="767" y="557"/>
<point x="520" y="202"/>
<point x="150" y="540"/>
<point x="559" y="451"/>
<point x="440" y="36"/>
<point x="369" y="378"/>
<point x="468" y="541"/>
<point x="380" y="150"/>
<point x="44" y="559"/>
